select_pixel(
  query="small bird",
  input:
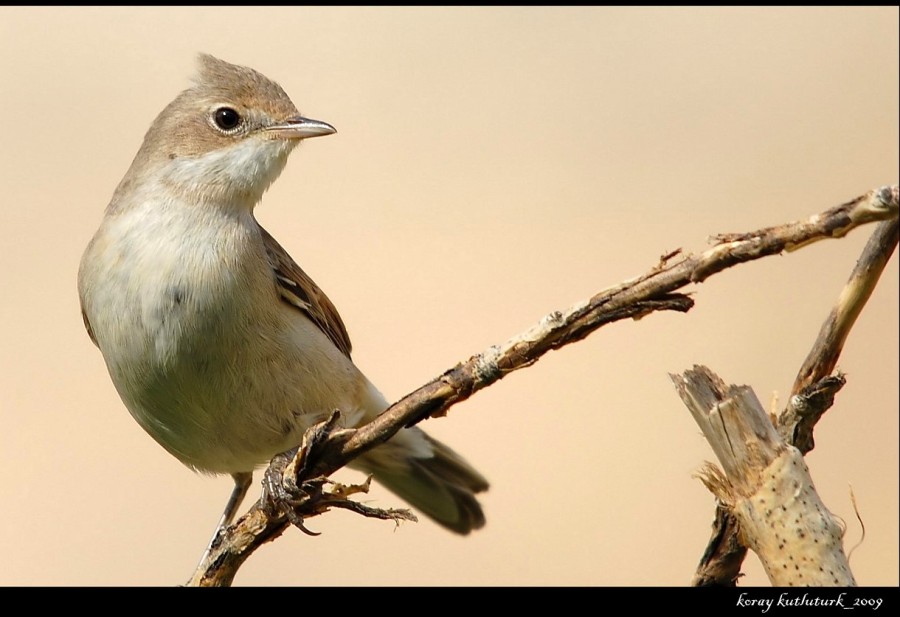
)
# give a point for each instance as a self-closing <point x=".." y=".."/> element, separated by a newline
<point x="222" y="348"/>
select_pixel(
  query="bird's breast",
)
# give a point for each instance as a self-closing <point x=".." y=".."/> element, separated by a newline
<point x="183" y="304"/>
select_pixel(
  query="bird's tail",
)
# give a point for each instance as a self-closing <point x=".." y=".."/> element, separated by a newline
<point x="431" y="477"/>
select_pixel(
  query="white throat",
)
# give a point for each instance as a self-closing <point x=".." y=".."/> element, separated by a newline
<point x="237" y="175"/>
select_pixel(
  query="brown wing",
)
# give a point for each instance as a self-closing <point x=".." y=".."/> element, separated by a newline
<point x="298" y="290"/>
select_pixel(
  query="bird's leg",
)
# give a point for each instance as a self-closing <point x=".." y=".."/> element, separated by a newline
<point x="242" y="481"/>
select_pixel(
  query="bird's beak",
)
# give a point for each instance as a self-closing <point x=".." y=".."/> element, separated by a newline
<point x="299" y="127"/>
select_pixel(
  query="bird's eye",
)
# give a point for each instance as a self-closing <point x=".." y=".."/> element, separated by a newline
<point x="226" y="118"/>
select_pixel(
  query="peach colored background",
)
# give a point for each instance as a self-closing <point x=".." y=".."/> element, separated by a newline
<point x="492" y="165"/>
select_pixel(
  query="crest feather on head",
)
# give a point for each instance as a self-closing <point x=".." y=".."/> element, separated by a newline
<point x="240" y="85"/>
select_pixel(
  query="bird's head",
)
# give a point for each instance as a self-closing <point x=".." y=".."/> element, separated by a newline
<point x="225" y="139"/>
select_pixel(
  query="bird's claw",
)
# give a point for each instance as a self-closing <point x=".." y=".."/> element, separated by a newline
<point x="283" y="491"/>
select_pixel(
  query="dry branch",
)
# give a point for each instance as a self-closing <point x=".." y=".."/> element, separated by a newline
<point x="651" y="292"/>
<point x="766" y="485"/>
<point x="807" y="404"/>
<point x="812" y="395"/>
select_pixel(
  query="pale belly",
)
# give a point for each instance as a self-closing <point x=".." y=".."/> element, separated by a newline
<point x="230" y="398"/>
